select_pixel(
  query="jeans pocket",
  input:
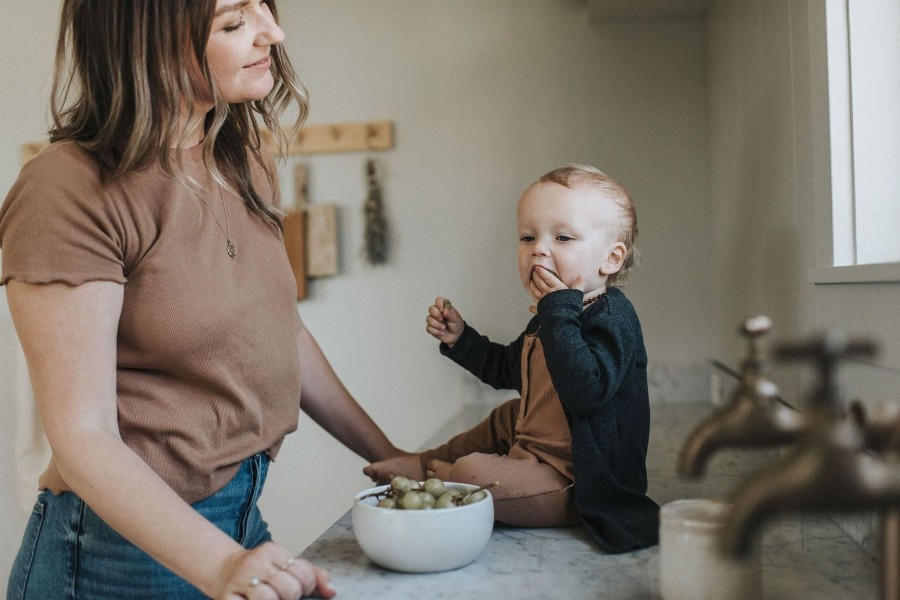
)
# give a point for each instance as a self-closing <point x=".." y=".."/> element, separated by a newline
<point x="18" y="579"/>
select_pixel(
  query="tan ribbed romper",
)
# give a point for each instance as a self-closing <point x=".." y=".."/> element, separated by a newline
<point x="524" y="444"/>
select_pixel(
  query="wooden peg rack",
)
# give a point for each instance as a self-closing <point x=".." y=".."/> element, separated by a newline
<point x="341" y="137"/>
<point x="313" y="139"/>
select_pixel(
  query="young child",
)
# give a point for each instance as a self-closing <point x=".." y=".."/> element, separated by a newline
<point x="573" y="447"/>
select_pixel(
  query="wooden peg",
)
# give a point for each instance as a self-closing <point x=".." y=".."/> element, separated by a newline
<point x="301" y="198"/>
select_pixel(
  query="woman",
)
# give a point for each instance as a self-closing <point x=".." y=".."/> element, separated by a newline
<point x="148" y="283"/>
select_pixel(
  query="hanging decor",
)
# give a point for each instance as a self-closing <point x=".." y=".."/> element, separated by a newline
<point x="376" y="224"/>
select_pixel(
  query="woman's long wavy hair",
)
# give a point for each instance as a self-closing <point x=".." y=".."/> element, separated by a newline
<point x="123" y="89"/>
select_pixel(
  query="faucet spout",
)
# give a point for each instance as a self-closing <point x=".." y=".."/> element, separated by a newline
<point x="748" y="422"/>
<point x="830" y="471"/>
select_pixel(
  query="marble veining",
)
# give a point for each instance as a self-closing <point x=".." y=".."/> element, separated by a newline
<point x="804" y="556"/>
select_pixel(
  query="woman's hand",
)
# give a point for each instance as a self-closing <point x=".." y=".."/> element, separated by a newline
<point x="444" y="322"/>
<point x="407" y="465"/>
<point x="269" y="572"/>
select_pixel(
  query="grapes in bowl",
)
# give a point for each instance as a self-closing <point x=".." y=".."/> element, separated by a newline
<point x="410" y="533"/>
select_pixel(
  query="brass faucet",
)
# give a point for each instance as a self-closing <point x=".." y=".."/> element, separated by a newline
<point x="832" y="467"/>
<point x="754" y="417"/>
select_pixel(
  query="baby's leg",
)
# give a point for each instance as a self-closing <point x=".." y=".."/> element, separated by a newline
<point x="529" y="493"/>
<point x="495" y="435"/>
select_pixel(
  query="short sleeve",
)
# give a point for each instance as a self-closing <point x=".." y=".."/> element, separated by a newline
<point x="58" y="224"/>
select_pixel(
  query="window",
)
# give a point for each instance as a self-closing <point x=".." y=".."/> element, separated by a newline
<point x="864" y="107"/>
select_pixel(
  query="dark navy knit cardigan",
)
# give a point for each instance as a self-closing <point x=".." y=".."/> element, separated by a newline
<point x="598" y="365"/>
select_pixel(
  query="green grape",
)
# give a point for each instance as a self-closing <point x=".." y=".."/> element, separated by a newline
<point x="428" y="501"/>
<point x="411" y="501"/>
<point x="475" y="497"/>
<point x="402" y="484"/>
<point x="448" y="500"/>
<point x="435" y="487"/>
<point x="387" y="503"/>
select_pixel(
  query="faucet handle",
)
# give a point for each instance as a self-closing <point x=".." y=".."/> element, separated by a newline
<point x="825" y="351"/>
<point x="755" y="329"/>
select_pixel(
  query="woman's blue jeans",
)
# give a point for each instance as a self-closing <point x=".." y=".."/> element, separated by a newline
<point x="69" y="552"/>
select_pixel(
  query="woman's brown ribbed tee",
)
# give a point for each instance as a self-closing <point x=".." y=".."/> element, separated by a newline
<point x="207" y="363"/>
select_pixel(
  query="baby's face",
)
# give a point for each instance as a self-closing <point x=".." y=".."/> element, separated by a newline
<point x="569" y="231"/>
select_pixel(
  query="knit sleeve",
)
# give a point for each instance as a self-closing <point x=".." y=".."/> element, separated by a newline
<point x="57" y="224"/>
<point x="497" y="365"/>
<point x="588" y="357"/>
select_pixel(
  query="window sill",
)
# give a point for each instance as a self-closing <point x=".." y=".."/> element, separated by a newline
<point x="876" y="273"/>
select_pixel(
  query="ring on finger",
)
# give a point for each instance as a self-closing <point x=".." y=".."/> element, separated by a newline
<point x="255" y="582"/>
<point x="287" y="565"/>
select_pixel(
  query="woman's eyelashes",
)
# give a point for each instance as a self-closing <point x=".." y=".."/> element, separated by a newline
<point x="236" y="26"/>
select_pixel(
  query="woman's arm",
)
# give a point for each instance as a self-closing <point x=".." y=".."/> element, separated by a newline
<point x="68" y="334"/>
<point x="325" y="399"/>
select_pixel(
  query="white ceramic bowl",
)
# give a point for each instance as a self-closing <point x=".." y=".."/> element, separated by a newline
<point x="422" y="541"/>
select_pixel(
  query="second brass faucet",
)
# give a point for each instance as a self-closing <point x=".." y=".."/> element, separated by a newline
<point x="754" y="417"/>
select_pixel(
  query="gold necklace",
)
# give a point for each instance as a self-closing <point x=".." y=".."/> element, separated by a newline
<point x="229" y="247"/>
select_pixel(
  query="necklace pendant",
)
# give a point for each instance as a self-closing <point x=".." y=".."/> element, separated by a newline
<point x="230" y="249"/>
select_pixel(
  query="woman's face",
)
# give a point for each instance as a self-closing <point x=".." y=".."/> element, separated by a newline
<point x="238" y="50"/>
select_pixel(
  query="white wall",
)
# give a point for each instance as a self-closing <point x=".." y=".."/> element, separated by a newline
<point x="486" y="96"/>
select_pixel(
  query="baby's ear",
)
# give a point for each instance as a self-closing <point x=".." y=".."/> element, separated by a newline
<point x="614" y="259"/>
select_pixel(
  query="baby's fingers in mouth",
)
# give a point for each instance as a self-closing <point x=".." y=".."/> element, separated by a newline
<point x="537" y="268"/>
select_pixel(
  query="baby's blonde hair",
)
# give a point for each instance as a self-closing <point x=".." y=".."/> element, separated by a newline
<point x="572" y="175"/>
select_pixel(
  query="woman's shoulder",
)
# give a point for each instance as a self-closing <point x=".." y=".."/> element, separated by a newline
<point x="60" y="169"/>
<point x="60" y="157"/>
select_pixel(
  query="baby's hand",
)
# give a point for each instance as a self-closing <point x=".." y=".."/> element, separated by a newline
<point x="407" y="466"/>
<point x="543" y="281"/>
<point x="444" y="322"/>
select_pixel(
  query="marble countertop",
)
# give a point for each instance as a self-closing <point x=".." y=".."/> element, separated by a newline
<point x="804" y="556"/>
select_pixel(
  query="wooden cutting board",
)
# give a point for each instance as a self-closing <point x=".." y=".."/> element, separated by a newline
<point x="295" y="245"/>
<point x="321" y="240"/>
<point x="310" y="236"/>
